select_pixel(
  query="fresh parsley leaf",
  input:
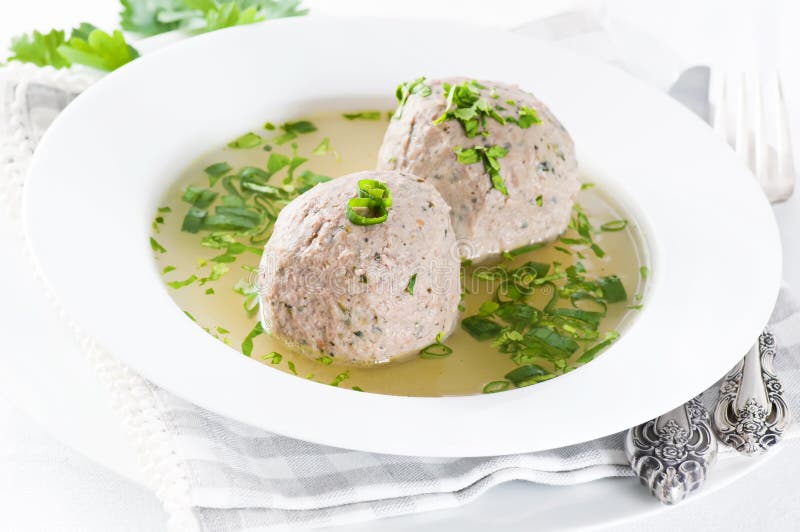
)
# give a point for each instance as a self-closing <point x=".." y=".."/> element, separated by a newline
<point x="273" y="357"/>
<point x="323" y="147"/>
<point x="229" y="14"/>
<point x="467" y="156"/>
<point x="180" y="284"/>
<point x="98" y="49"/>
<point x="276" y="162"/>
<point x="527" y="117"/>
<point x="40" y="49"/>
<point x="155" y="246"/>
<point x="340" y="378"/>
<point x="271" y="9"/>
<point x="247" y="343"/>
<point x="411" y="282"/>
<point x="406" y="89"/>
<point x="465" y="104"/>
<point x="151" y="17"/>
<point x="291" y="130"/>
<point x="246" y="141"/>
<point x="489" y="156"/>
<point x="308" y="179"/>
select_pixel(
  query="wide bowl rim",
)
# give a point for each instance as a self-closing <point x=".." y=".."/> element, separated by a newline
<point x="446" y="425"/>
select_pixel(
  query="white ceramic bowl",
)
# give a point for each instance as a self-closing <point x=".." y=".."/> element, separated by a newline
<point x="104" y="164"/>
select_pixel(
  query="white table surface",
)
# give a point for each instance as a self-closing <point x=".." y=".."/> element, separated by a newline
<point x="46" y="485"/>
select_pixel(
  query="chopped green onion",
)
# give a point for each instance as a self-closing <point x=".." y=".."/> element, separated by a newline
<point x="436" y="350"/>
<point x="371" y="207"/>
<point x="592" y="352"/>
<point x="525" y="249"/>
<point x="496" y="386"/>
<point x="616" y="225"/>
<point x="612" y="289"/>
<point x="524" y="373"/>
<point x="553" y="339"/>
<point x="215" y="171"/>
<point x="365" y="211"/>
<point x="481" y="328"/>
<point x="598" y="250"/>
<point x="371" y="188"/>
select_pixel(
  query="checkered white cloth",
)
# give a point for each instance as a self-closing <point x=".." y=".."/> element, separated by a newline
<point x="213" y="473"/>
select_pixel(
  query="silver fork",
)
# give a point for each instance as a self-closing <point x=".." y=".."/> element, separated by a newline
<point x="751" y="415"/>
<point x="743" y="106"/>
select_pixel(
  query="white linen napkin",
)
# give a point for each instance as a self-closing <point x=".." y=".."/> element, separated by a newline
<point x="213" y="473"/>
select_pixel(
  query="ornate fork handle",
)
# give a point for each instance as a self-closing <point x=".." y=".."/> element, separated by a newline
<point x="671" y="454"/>
<point x="751" y="414"/>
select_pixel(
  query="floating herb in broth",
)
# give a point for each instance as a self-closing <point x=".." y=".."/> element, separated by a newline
<point x="210" y="230"/>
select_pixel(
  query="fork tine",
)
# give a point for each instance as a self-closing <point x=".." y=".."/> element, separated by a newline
<point x="760" y="145"/>
<point x="718" y="96"/>
<point x="785" y="163"/>
<point x="744" y="137"/>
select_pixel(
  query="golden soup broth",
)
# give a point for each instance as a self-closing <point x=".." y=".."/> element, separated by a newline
<point x="218" y="308"/>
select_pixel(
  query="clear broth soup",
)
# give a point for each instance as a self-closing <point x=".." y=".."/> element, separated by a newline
<point x="212" y="282"/>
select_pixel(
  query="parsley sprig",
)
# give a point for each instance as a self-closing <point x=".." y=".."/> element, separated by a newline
<point x="151" y="17"/>
<point x="87" y="45"/>
<point x="488" y="155"/>
<point x="558" y="336"/>
<point x="95" y="48"/>
<point x="465" y="104"/>
<point x="237" y="211"/>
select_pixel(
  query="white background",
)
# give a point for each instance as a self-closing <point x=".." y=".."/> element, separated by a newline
<point x="44" y="485"/>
